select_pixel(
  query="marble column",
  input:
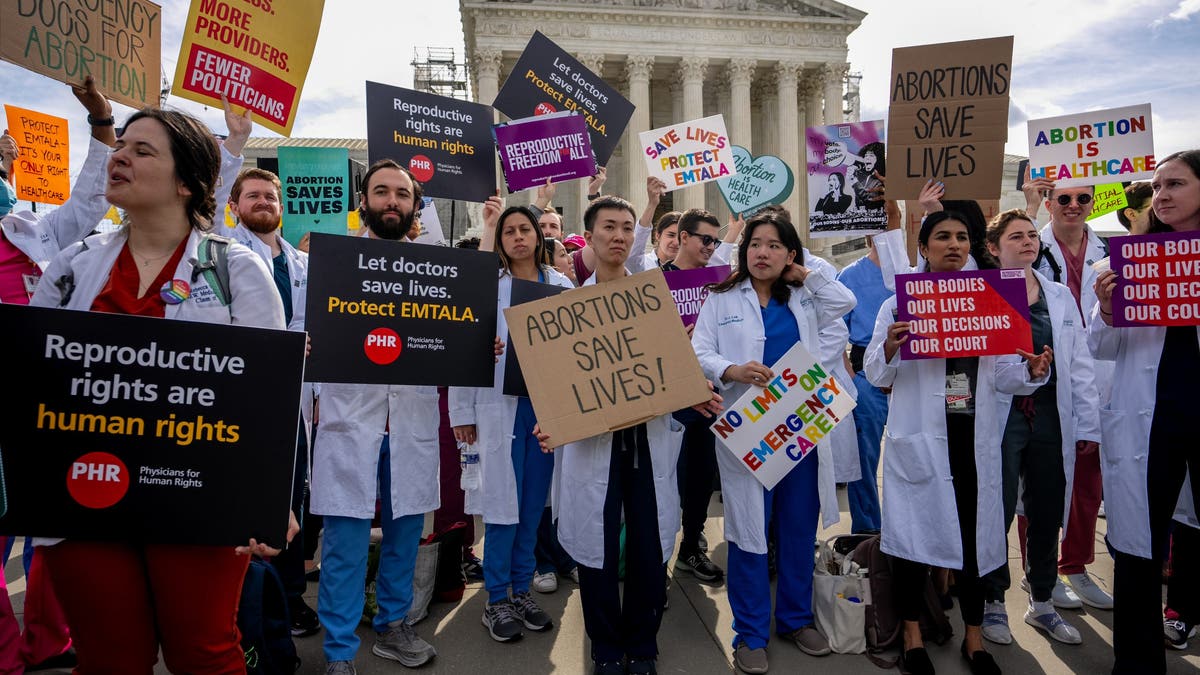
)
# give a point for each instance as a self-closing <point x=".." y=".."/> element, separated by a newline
<point x="637" y="70"/>
<point x="486" y="65"/>
<point x="834" y="74"/>
<point x="741" y="74"/>
<point x="813" y="90"/>
<point x="769" y="101"/>
<point x="691" y="73"/>
<point x="785" y="76"/>
<point x="809" y="96"/>
<point x="724" y="108"/>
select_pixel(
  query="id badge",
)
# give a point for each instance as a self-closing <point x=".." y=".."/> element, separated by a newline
<point x="31" y="282"/>
<point x="958" y="391"/>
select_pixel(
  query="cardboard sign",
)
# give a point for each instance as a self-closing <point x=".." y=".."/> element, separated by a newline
<point x="143" y="429"/>
<point x="256" y="53"/>
<point x="1109" y="197"/>
<point x="689" y="288"/>
<point x="772" y="429"/>
<point x="547" y="79"/>
<point x="1158" y="279"/>
<point x="554" y="147"/>
<point x="605" y="357"/>
<point x="689" y="153"/>
<point x="976" y="313"/>
<point x="446" y="143"/>
<point x="842" y="162"/>
<point x="948" y="119"/>
<point x="43" y="168"/>
<point x="522" y="292"/>
<point x="117" y="43"/>
<point x="1093" y="148"/>
<point x="387" y="312"/>
<point x="315" y="186"/>
<point x="761" y="180"/>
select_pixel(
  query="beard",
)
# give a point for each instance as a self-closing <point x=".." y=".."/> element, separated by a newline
<point x="261" y="222"/>
<point x="386" y="228"/>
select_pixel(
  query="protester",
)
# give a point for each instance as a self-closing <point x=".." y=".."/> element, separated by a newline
<point x="1149" y="445"/>
<point x="789" y="303"/>
<point x="561" y="259"/>
<point x="574" y="242"/>
<point x="1135" y="217"/>
<point x="665" y="240"/>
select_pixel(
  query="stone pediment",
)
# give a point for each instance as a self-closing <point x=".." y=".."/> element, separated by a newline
<point x="805" y="8"/>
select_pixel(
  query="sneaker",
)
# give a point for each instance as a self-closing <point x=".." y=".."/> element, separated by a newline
<point x="534" y="617"/>
<point x="642" y="667"/>
<point x="810" y="641"/>
<point x="1175" y="633"/>
<point x="574" y="574"/>
<point x="1089" y="592"/>
<point x="1062" y="596"/>
<point x="750" y="660"/>
<point x="304" y="620"/>
<point x="1041" y="615"/>
<point x="608" y="668"/>
<point x="502" y="621"/>
<point x="340" y="668"/>
<point x="995" y="623"/>
<point x="699" y="565"/>
<point x="545" y="582"/>
<point x="702" y="542"/>
<point x="401" y="643"/>
<point x="472" y="567"/>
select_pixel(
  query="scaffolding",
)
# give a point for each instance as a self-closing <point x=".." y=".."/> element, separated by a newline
<point x="438" y="70"/>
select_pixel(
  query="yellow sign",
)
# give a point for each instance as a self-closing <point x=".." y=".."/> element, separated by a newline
<point x="43" y="167"/>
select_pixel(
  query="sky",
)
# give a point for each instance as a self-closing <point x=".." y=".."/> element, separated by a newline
<point x="1069" y="56"/>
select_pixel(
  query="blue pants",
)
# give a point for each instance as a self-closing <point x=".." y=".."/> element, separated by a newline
<point x="508" y="558"/>
<point x="341" y="595"/>
<point x="795" y="506"/>
<point x="869" y="417"/>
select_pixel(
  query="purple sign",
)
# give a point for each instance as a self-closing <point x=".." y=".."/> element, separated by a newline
<point x="555" y="146"/>
<point x="978" y="313"/>
<point x="688" y="288"/>
<point x="1158" y="279"/>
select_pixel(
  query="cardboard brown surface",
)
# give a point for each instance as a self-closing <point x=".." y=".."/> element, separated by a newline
<point x="605" y="357"/>
<point x="121" y="50"/>
<point x="948" y="119"/>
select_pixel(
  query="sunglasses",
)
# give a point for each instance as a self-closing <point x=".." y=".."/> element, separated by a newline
<point x="705" y="240"/>
<point x="1081" y="199"/>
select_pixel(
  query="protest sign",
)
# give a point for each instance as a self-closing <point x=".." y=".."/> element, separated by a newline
<point x="689" y="153"/>
<point x="842" y="162"/>
<point x="446" y="143"/>
<point x="117" y="43"/>
<point x="1109" y="197"/>
<point x="255" y="53"/>
<point x="1094" y="147"/>
<point x="522" y="292"/>
<point x="761" y="180"/>
<point x="315" y="187"/>
<point x="547" y="79"/>
<point x="948" y="119"/>
<point x="387" y="312"/>
<point x="136" y="428"/>
<point x="772" y="429"/>
<point x="43" y="168"/>
<point x="554" y="147"/>
<point x="431" y="225"/>
<point x="1158" y="279"/>
<point x="605" y="357"/>
<point x="689" y="288"/>
<point x="975" y="313"/>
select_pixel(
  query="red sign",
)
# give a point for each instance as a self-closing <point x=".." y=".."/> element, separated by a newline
<point x="953" y="314"/>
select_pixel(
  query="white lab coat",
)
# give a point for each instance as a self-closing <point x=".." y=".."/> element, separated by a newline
<point x="1125" y="424"/>
<point x="920" y="519"/>
<point x="833" y="338"/>
<point x="729" y="332"/>
<point x="493" y="413"/>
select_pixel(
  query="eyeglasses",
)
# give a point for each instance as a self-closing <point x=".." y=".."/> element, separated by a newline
<point x="705" y="240"/>
<point x="1081" y="199"/>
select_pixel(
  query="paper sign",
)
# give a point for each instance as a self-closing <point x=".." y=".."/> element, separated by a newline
<point x="547" y="79"/>
<point x="976" y="313"/>
<point x="689" y="153"/>
<point x="948" y="119"/>
<point x="315" y="185"/>
<point x="43" y="168"/>
<point x="522" y="292"/>
<point x="772" y="429"/>
<point x="761" y="180"/>
<point x="117" y="43"/>
<point x="256" y="53"/>
<point x="446" y="143"/>
<point x="689" y="288"/>
<point x="1093" y="148"/>
<point x="554" y="147"/>
<point x="1109" y="197"/>
<point x="133" y="428"/>
<point x="389" y="312"/>
<point x="431" y="225"/>
<point x="842" y="162"/>
<point x="605" y="357"/>
<point x="1158" y="279"/>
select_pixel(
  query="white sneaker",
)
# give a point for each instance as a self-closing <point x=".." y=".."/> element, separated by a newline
<point x="1041" y="615"/>
<point x="995" y="623"/>
<point x="1089" y="592"/>
<point x="546" y="582"/>
<point x="1063" y="597"/>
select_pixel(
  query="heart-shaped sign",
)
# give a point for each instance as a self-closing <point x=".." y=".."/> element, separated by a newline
<point x="759" y="181"/>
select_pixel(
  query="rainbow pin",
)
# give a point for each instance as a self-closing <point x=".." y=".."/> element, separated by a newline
<point x="175" y="291"/>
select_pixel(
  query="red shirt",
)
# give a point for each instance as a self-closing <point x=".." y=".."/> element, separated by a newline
<point x="119" y="295"/>
<point x="18" y="274"/>
<point x="1074" y="276"/>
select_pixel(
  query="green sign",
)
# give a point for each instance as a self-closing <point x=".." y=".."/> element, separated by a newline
<point x="315" y="187"/>
<point x="759" y="181"/>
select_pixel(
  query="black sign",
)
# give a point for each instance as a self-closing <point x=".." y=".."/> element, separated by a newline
<point x="118" y="427"/>
<point x="446" y="143"/>
<point x="388" y="312"/>
<point x="522" y="292"/>
<point x="547" y="79"/>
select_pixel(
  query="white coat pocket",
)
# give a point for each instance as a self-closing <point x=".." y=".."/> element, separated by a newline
<point x="910" y="458"/>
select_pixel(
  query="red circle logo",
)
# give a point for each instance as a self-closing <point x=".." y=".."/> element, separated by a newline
<point x="421" y="168"/>
<point x="98" y="480"/>
<point x="544" y="109"/>
<point x="382" y="346"/>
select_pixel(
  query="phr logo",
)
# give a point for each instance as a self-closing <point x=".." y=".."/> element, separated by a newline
<point x="98" y="480"/>
<point x="382" y="346"/>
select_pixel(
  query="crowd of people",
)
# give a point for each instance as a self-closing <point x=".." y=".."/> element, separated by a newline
<point x="967" y="443"/>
